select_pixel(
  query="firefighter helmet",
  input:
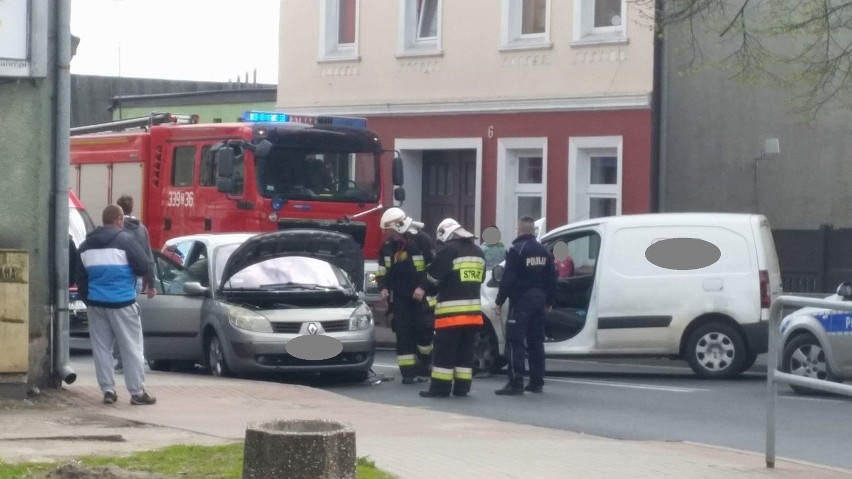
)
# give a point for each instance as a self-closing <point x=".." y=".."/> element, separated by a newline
<point x="395" y="219"/>
<point x="448" y="228"/>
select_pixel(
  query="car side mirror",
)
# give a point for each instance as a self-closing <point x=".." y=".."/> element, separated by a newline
<point x="397" y="175"/>
<point x="496" y="276"/>
<point x="225" y="185"/>
<point x="224" y="162"/>
<point x="262" y="149"/>
<point x="194" y="288"/>
<point x="845" y="290"/>
<point x="399" y="194"/>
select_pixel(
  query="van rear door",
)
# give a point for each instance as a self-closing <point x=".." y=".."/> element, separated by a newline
<point x="767" y="259"/>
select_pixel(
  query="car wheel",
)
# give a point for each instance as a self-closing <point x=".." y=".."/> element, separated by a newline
<point x="160" y="365"/>
<point x="716" y="351"/>
<point x="486" y="352"/>
<point x="216" y="357"/>
<point x="804" y="356"/>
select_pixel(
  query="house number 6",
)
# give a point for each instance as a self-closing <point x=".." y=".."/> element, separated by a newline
<point x="491" y="131"/>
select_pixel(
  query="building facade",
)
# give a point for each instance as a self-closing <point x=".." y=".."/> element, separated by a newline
<point x="498" y="108"/>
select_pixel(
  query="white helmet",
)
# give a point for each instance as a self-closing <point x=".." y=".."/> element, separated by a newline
<point x="449" y="227"/>
<point x="395" y="219"/>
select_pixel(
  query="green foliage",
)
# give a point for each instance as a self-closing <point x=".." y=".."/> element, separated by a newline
<point x="201" y="462"/>
<point x="802" y="46"/>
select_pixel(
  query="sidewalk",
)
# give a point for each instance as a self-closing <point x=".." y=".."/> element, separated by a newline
<point x="413" y="443"/>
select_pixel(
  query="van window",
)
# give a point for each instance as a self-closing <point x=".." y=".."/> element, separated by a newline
<point x="630" y="244"/>
<point x="183" y="166"/>
<point x="576" y="254"/>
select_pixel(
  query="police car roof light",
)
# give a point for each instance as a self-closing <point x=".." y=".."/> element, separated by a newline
<point x="278" y="117"/>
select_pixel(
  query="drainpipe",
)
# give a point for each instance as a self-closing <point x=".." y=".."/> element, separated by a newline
<point x="61" y="157"/>
<point x="662" y="90"/>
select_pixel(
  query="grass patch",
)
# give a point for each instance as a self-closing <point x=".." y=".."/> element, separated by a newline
<point x="202" y="462"/>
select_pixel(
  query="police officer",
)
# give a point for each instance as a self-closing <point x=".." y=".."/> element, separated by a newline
<point x="402" y="264"/>
<point x="529" y="281"/>
<point x="457" y="272"/>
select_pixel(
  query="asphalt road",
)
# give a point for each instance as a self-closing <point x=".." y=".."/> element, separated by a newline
<point x="648" y="399"/>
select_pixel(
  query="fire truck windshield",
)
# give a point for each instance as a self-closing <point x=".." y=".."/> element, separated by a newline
<point x="319" y="175"/>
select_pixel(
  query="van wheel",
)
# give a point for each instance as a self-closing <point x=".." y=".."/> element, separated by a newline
<point x="749" y="362"/>
<point x="216" y="357"/>
<point x="716" y="351"/>
<point x="804" y="356"/>
<point x="486" y="351"/>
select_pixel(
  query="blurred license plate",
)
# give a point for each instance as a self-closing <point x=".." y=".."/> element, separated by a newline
<point x="76" y="305"/>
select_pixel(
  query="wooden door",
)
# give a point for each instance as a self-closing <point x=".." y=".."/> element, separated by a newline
<point x="449" y="188"/>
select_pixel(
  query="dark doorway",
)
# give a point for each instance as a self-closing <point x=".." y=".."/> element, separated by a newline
<point x="449" y="188"/>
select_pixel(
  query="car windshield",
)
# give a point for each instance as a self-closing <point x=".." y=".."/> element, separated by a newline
<point x="288" y="273"/>
<point x="319" y="175"/>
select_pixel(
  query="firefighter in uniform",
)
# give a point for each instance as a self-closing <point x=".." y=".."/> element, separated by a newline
<point x="402" y="264"/>
<point x="529" y="281"/>
<point x="457" y="272"/>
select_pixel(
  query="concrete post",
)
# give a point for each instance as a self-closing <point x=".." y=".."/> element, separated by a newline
<point x="299" y="449"/>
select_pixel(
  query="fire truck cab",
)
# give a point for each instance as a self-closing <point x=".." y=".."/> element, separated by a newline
<point x="271" y="171"/>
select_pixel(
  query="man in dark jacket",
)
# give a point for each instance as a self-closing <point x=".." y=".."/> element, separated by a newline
<point x="457" y="272"/>
<point x="135" y="227"/>
<point x="110" y="262"/>
<point x="529" y="281"/>
<point x="402" y="264"/>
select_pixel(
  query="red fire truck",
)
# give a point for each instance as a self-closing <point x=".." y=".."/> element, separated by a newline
<point x="271" y="171"/>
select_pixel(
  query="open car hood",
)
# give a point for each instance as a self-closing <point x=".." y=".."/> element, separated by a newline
<point x="336" y="248"/>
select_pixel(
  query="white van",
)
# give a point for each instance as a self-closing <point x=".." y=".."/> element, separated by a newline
<point x="695" y="286"/>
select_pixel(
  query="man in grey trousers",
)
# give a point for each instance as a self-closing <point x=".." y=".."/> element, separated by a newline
<point x="135" y="227"/>
<point x="110" y="261"/>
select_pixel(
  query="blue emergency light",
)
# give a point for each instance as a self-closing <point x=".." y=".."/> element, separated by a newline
<point x="278" y="117"/>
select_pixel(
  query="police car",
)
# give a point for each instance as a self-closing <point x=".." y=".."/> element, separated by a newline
<point x="818" y="342"/>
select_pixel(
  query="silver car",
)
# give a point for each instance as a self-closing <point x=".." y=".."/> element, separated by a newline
<point x="272" y="302"/>
<point x="818" y="342"/>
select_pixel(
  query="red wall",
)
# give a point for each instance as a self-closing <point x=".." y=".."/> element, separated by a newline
<point x="635" y="126"/>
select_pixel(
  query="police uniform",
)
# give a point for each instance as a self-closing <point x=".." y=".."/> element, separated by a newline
<point x="529" y="281"/>
<point x="457" y="272"/>
<point x="402" y="266"/>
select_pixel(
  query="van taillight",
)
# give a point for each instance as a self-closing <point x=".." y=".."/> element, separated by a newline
<point x="765" y="299"/>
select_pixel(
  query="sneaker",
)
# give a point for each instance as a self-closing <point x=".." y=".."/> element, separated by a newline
<point x="460" y="394"/>
<point x="433" y="394"/>
<point x="533" y="388"/>
<point x="509" y="390"/>
<point x="110" y="397"/>
<point x="142" y="399"/>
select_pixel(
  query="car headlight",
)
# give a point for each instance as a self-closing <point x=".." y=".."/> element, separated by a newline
<point x="361" y="318"/>
<point x="249" y="320"/>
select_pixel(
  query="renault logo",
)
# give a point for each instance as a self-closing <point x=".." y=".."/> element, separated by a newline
<point x="313" y="328"/>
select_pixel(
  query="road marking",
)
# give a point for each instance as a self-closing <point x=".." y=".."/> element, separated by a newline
<point x="806" y="398"/>
<point x="651" y="387"/>
<point x="604" y="363"/>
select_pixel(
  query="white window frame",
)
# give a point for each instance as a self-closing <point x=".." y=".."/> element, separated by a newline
<point x="580" y="151"/>
<point x="585" y="32"/>
<point x="330" y="49"/>
<point x="508" y="152"/>
<point x="512" y="19"/>
<point x="411" y="152"/>
<point x="410" y="44"/>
